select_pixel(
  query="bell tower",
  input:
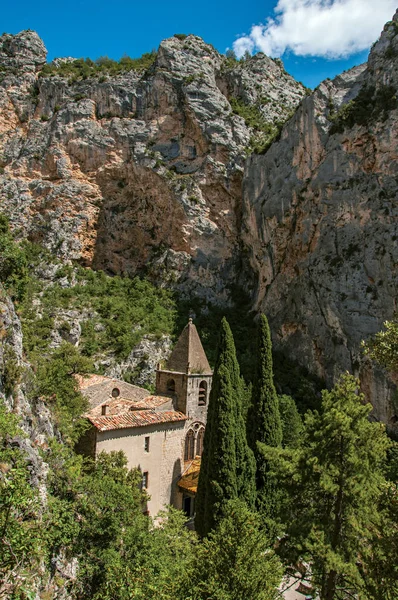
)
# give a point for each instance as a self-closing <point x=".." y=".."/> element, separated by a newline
<point x="187" y="376"/>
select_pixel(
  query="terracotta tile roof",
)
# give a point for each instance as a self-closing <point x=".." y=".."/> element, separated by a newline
<point x="117" y="406"/>
<point x="98" y="389"/>
<point x="189" y="480"/>
<point x="139" y="418"/>
<point x="85" y="381"/>
<point x="151" y="402"/>
<point x="188" y="351"/>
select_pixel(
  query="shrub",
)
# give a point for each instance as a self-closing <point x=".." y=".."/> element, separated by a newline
<point x="84" y="68"/>
<point x="370" y="105"/>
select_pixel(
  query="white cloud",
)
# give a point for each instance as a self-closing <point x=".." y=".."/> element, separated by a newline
<point x="328" y="28"/>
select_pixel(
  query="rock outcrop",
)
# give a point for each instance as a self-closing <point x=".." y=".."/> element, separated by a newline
<point x="320" y="223"/>
<point x="138" y="172"/>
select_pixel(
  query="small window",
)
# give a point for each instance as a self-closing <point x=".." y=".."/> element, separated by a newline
<point x="202" y="393"/>
<point x="146" y="444"/>
<point x="115" y="392"/>
<point x="189" y="453"/>
<point x="171" y="386"/>
<point x="145" y="480"/>
<point x="199" y="442"/>
<point x="104" y="409"/>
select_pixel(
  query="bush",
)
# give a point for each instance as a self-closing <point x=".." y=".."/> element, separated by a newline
<point x="20" y="520"/>
<point x="14" y="273"/>
<point x="84" y="68"/>
<point x="370" y="105"/>
<point x="56" y="383"/>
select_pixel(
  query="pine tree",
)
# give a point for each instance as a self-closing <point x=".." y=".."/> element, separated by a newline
<point x="264" y="419"/>
<point x="227" y="466"/>
<point x="337" y="482"/>
<point x="235" y="561"/>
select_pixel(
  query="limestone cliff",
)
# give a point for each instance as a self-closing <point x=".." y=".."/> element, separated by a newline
<point x="320" y="222"/>
<point x="139" y="172"/>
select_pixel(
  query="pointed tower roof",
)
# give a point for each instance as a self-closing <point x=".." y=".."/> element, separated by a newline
<point x="189" y="351"/>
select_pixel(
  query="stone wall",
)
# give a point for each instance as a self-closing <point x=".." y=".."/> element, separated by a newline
<point x="162" y="462"/>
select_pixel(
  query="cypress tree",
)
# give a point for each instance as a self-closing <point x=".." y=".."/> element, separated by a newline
<point x="292" y="423"/>
<point x="264" y="419"/>
<point x="227" y="466"/>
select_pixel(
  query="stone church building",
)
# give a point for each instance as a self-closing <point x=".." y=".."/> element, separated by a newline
<point x="161" y="434"/>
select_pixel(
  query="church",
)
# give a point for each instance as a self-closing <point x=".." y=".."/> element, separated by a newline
<point x="161" y="434"/>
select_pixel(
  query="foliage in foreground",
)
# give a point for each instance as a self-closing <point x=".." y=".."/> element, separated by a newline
<point x="235" y="560"/>
<point x="93" y="515"/>
<point x="336" y="483"/>
<point x="21" y="545"/>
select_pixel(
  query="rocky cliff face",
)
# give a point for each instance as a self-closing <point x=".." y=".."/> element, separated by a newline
<point x="144" y="172"/>
<point x="138" y="172"/>
<point x="320" y="222"/>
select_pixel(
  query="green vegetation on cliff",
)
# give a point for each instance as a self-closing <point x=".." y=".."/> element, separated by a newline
<point x="85" y="68"/>
<point x="369" y="105"/>
<point x="265" y="132"/>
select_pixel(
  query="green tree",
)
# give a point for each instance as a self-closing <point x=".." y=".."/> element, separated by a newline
<point x="21" y="529"/>
<point x="264" y="425"/>
<point x="56" y="382"/>
<point x="235" y="560"/>
<point x="13" y="262"/>
<point x="337" y="482"/>
<point x="292" y="423"/>
<point x="164" y="564"/>
<point x="95" y="515"/>
<point x="380" y="573"/>
<point x="383" y="347"/>
<point x="217" y="478"/>
<point x="227" y="466"/>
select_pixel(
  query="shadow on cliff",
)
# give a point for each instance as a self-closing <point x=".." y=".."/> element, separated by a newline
<point x="138" y="216"/>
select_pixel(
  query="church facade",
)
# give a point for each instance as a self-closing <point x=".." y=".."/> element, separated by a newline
<point x="161" y="434"/>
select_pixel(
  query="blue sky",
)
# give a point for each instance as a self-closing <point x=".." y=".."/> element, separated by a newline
<point x="311" y="36"/>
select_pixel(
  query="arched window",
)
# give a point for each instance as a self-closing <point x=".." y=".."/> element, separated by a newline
<point x="171" y="386"/>
<point x="189" y="453"/>
<point x="199" y="442"/>
<point x="202" y="393"/>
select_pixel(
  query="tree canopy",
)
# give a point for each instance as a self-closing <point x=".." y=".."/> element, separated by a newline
<point x="336" y="482"/>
